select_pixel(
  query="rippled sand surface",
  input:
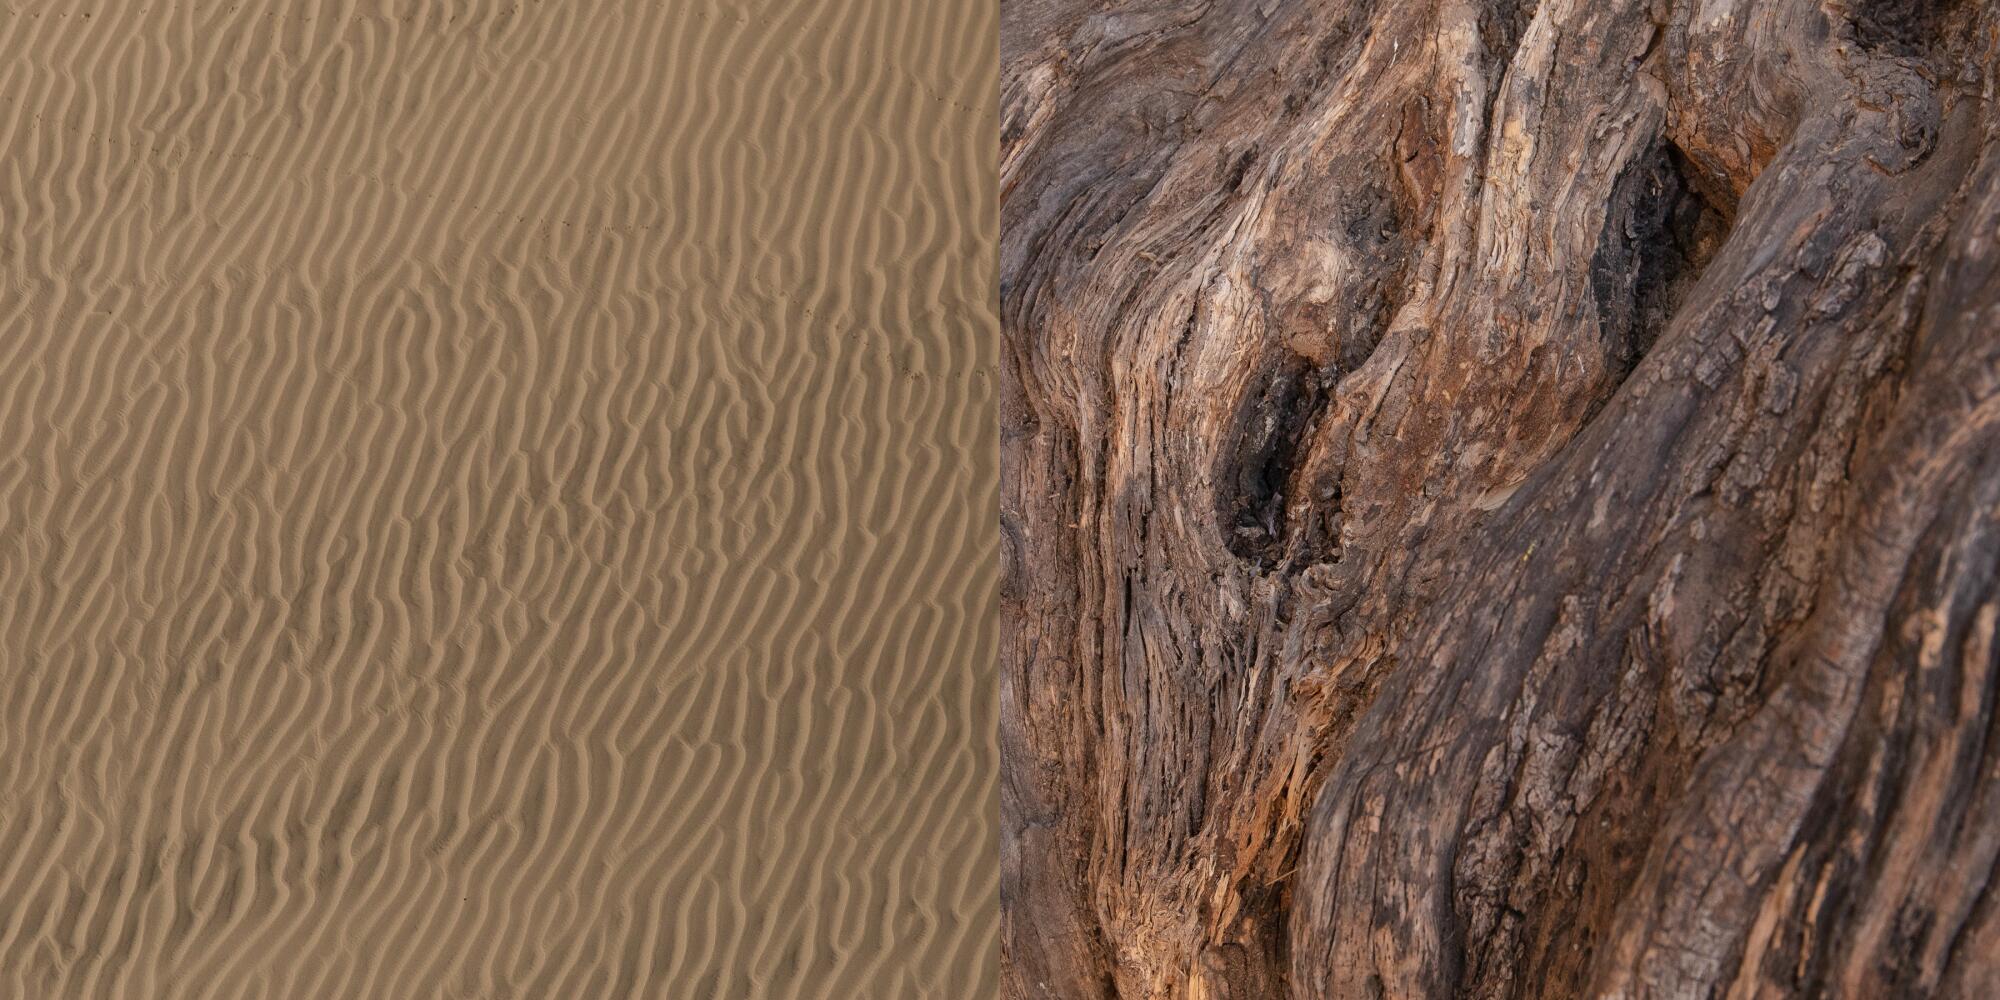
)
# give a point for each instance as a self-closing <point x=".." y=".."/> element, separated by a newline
<point x="496" y="499"/>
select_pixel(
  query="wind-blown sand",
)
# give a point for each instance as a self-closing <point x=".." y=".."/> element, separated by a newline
<point x="496" y="499"/>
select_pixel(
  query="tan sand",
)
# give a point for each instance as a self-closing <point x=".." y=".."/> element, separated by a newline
<point x="497" y="499"/>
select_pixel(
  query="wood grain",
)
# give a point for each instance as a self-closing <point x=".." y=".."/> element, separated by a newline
<point x="1500" y="499"/>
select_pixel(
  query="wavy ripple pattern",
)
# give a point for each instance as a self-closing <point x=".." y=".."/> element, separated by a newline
<point x="496" y="499"/>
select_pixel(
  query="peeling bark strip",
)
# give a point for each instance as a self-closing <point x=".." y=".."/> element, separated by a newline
<point x="1502" y="499"/>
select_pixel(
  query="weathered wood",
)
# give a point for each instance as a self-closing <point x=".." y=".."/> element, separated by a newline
<point x="1501" y="499"/>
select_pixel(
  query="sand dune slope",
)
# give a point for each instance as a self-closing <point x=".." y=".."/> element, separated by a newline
<point x="496" y="499"/>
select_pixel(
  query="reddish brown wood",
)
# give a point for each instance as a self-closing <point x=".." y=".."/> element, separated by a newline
<point x="1501" y="499"/>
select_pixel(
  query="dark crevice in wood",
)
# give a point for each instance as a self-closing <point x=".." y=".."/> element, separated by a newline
<point x="1659" y="233"/>
<point x="1259" y="456"/>
<point x="1908" y="28"/>
<point x="1501" y="26"/>
<point x="1239" y="168"/>
<point x="1372" y="225"/>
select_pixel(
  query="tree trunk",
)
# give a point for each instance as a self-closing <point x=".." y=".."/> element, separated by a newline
<point x="1501" y="499"/>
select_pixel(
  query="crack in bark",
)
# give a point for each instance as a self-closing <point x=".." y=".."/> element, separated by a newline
<point x="1659" y="234"/>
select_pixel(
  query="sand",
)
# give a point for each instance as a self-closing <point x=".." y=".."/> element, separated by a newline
<point x="497" y="499"/>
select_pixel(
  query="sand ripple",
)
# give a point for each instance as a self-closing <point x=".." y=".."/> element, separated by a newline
<point x="496" y="499"/>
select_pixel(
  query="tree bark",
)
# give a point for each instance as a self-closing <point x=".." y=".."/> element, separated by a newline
<point x="1501" y="499"/>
